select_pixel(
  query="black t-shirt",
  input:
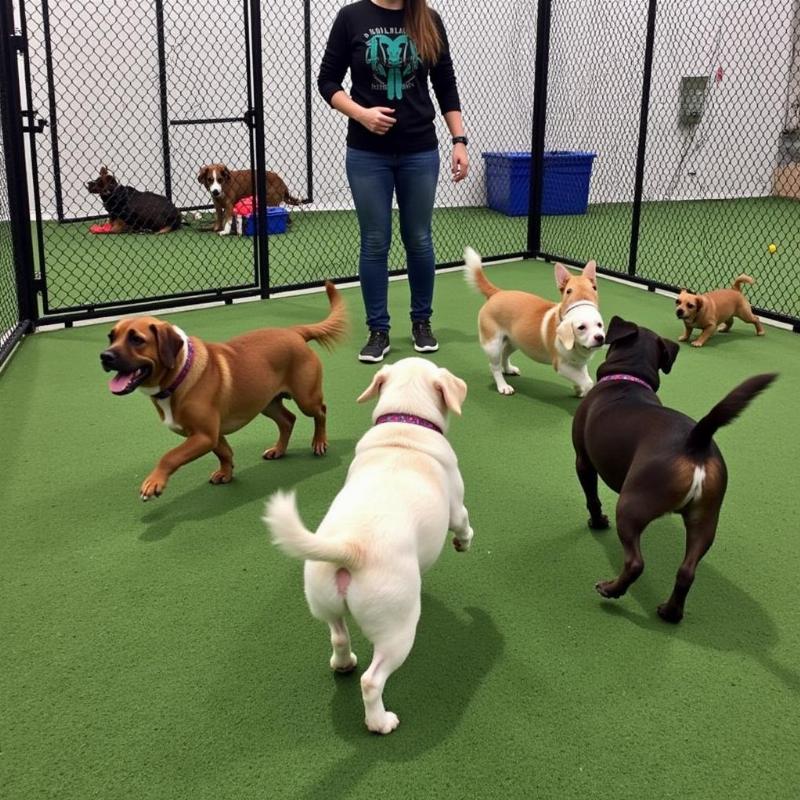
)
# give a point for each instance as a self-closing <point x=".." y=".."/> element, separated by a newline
<point x="386" y="70"/>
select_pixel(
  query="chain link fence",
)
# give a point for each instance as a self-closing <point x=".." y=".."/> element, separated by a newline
<point x="717" y="141"/>
<point x="9" y="307"/>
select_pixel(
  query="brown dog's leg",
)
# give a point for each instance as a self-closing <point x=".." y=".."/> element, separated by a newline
<point x="687" y="332"/>
<point x="306" y="390"/>
<point x="284" y="419"/>
<point x="701" y="527"/>
<point x="218" y="210"/>
<point x="198" y="444"/>
<point x="225" y="455"/>
<point x="726" y="326"/>
<point x="587" y="475"/>
<point x="749" y="316"/>
<point x="118" y="226"/>
<point x="317" y="409"/>
<point x="704" y="336"/>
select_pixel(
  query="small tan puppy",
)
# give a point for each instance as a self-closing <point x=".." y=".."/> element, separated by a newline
<point x="204" y="391"/>
<point x="564" y="334"/>
<point x="387" y="525"/>
<point x="715" y="311"/>
<point x="228" y="186"/>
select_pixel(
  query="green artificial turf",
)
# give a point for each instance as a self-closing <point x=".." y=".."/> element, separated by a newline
<point x="702" y="244"/>
<point x="164" y="650"/>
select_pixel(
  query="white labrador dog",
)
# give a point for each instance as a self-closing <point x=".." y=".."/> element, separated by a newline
<point x="386" y="526"/>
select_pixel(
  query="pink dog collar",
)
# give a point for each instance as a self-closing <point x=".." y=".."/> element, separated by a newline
<point x="411" y="419"/>
<point x="187" y="365"/>
<point x="623" y="376"/>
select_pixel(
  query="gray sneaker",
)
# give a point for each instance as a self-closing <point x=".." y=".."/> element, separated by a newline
<point x="376" y="348"/>
<point x="424" y="340"/>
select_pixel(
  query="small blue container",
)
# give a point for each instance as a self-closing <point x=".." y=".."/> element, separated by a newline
<point x="277" y="220"/>
<point x="565" y="184"/>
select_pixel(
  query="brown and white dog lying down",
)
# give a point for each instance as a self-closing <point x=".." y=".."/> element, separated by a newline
<point x="715" y="311"/>
<point x="204" y="391"/>
<point x="564" y="334"/>
<point x="657" y="459"/>
<point x="228" y="186"/>
<point x="387" y="525"/>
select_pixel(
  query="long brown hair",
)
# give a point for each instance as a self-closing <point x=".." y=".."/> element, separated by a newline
<point x="421" y="27"/>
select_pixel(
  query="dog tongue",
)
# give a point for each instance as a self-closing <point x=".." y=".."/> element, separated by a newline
<point x="120" y="382"/>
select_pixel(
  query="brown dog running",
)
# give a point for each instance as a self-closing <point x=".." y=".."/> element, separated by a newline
<point x="203" y="391"/>
<point x="657" y="459"/>
<point x="228" y="186"/>
<point x="715" y="311"/>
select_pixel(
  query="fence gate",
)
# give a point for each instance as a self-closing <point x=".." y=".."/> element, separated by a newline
<point x="168" y="87"/>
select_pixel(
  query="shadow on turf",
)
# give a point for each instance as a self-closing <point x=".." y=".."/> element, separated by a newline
<point x="453" y="654"/>
<point x="256" y="482"/>
<point x="726" y="619"/>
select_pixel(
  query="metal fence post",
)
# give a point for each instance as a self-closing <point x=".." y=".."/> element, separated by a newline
<point x="256" y="66"/>
<point x="534" y="244"/>
<point x="636" y="214"/>
<point x="10" y="45"/>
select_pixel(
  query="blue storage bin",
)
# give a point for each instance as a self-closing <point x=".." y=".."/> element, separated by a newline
<point x="565" y="184"/>
<point x="277" y="220"/>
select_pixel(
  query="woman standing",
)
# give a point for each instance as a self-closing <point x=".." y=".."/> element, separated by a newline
<point x="391" y="48"/>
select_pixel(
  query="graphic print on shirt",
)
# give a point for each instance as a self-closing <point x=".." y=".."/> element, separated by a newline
<point x="393" y="58"/>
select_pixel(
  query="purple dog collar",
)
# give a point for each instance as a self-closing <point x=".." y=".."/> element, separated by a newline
<point x="181" y="376"/>
<point x="623" y="376"/>
<point x="411" y="419"/>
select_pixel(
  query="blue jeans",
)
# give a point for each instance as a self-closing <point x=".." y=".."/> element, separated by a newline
<point x="374" y="178"/>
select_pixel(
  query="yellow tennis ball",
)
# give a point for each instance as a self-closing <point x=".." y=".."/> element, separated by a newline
<point x="772" y="248"/>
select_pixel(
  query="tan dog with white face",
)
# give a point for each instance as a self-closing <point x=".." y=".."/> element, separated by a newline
<point x="564" y="334"/>
<point x="387" y="525"/>
<point x="714" y="311"/>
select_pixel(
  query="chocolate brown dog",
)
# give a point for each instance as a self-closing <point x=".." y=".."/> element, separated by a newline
<point x="203" y="391"/>
<point x="228" y="186"/>
<point x="657" y="459"/>
<point x="714" y="311"/>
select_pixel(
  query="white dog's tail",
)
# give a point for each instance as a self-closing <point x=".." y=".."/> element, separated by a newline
<point x="475" y="276"/>
<point x="291" y="535"/>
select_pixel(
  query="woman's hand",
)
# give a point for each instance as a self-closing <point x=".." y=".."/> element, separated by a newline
<point x="460" y="165"/>
<point x="377" y="119"/>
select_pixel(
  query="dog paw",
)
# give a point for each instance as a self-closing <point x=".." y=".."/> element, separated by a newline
<point x="319" y="448"/>
<point x="606" y="589"/>
<point x="384" y="723"/>
<point x="512" y="370"/>
<point x="683" y="338"/>
<point x="697" y="343"/>
<point x="153" y="486"/>
<point x="463" y="544"/>
<point x="669" y="613"/>
<point x="598" y="523"/>
<point x="273" y="452"/>
<point x="505" y="389"/>
<point x="221" y="476"/>
<point x="223" y="233"/>
<point x="345" y="666"/>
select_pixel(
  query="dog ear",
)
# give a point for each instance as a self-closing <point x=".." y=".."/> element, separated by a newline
<point x="590" y="271"/>
<point x="201" y="176"/>
<point x="562" y="276"/>
<point x="226" y="174"/>
<point x="169" y="344"/>
<point x="453" y="389"/>
<point x="103" y="171"/>
<point x="619" y="329"/>
<point x="698" y="302"/>
<point x="566" y="334"/>
<point x="669" y="352"/>
<point x="374" y="389"/>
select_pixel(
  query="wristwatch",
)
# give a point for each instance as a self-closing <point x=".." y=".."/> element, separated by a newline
<point x="460" y="140"/>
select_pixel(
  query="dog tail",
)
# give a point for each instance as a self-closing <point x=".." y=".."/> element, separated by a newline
<point x="291" y="536"/>
<point x="475" y="276"/>
<point x="726" y="411"/>
<point x="737" y="284"/>
<point x="334" y="327"/>
<point x="291" y="200"/>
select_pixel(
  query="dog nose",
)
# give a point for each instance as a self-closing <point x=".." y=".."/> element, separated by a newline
<point x="599" y="338"/>
<point x="679" y="313"/>
<point x="215" y="192"/>
<point x="107" y="358"/>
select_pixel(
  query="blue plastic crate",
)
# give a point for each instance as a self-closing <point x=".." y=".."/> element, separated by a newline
<point x="277" y="221"/>
<point x="565" y="184"/>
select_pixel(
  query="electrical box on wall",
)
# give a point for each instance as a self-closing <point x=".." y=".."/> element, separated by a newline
<point x="693" y="95"/>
